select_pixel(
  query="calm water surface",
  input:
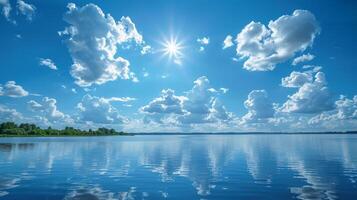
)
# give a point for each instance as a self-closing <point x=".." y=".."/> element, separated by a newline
<point x="180" y="167"/>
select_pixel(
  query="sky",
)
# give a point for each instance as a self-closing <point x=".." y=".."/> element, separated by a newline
<point x="180" y="66"/>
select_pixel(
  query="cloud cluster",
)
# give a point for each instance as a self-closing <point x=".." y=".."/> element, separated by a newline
<point x="48" y="63"/>
<point x="266" y="46"/>
<point x="259" y="107"/>
<point x="10" y="89"/>
<point x="7" y="114"/>
<point x="303" y="58"/>
<point x="98" y="110"/>
<point x="203" y="42"/>
<point x="25" y="9"/>
<point x="28" y="10"/>
<point x="345" y="109"/>
<point x="92" y="43"/>
<point x="199" y="105"/>
<point x="48" y="108"/>
<point x="312" y="96"/>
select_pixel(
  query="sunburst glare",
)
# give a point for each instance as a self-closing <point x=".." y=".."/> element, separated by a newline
<point x="173" y="49"/>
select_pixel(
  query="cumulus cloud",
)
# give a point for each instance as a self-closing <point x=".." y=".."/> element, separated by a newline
<point x="203" y="42"/>
<point x="48" y="63"/>
<point x="345" y="109"/>
<point x="199" y="105"/>
<point x="98" y="110"/>
<point x="228" y="42"/>
<point x="266" y="46"/>
<point x="312" y="97"/>
<point x="47" y="106"/>
<point x="296" y="79"/>
<point x="160" y="108"/>
<point x="303" y="58"/>
<point x="10" y="89"/>
<point x="259" y="107"/>
<point x="92" y="43"/>
<point x="7" y="114"/>
<point x="28" y="10"/>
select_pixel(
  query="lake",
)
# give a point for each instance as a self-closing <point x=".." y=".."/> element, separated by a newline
<point x="180" y="167"/>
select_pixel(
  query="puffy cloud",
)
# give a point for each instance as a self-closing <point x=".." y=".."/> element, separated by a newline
<point x="98" y="110"/>
<point x="345" y="109"/>
<point x="228" y="42"/>
<point x="92" y="43"/>
<point x="168" y="102"/>
<point x="265" y="47"/>
<point x="48" y="63"/>
<point x="199" y="105"/>
<point x="203" y="42"/>
<point x="312" y="97"/>
<point x="296" y="79"/>
<point x="12" y="90"/>
<point x="303" y="58"/>
<point x="7" y="114"/>
<point x="28" y="10"/>
<point x="49" y="110"/>
<point x="259" y="107"/>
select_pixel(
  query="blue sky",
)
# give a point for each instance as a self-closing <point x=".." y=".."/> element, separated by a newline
<point x="163" y="66"/>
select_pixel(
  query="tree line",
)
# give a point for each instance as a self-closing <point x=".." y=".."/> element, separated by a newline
<point x="26" y="129"/>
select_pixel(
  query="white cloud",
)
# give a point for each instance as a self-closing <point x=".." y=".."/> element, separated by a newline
<point x="199" y="105"/>
<point x="224" y="90"/>
<point x="10" y="89"/>
<point x="92" y="43"/>
<point x="345" y="109"/>
<point x="28" y="10"/>
<point x="120" y="99"/>
<point x="203" y="42"/>
<point x="228" y="42"/>
<point x="98" y="110"/>
<point x="312" y="97"/>
<point x="146" y="49"/>
<point x="49" y="110"/>
<point x="296" y="79"/>
<point x="7" y="114"/>
<point x="259" y="107"/>
<point x="48" y="63"/>
<point x="265" y="47"/>
<point x="6" y="8"/>
<point x="303" y="58"/>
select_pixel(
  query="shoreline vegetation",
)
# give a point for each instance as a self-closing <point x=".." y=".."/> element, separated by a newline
<point x="11" y="129"/>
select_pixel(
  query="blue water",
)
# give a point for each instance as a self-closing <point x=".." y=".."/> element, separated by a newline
<point x="180" y="167"/>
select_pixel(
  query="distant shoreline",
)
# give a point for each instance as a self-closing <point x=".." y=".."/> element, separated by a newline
<point x="252" y="133"/>
<point x="169" y="134"/>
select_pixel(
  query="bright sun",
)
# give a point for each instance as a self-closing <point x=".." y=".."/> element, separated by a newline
<point x="173" y="48"/>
